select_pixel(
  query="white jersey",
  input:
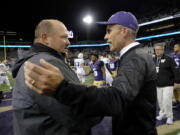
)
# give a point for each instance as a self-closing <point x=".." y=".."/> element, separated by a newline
<point x="4" y="78"/>
<point x="105" y="60"/>
<point x="2" y="73"/>
<point x="78" y="63"/>
<point x="109" y="78"/>
<point x="2" y="66"/>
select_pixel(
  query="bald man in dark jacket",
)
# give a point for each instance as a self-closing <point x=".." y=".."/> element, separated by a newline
<point x="36" y="114"/>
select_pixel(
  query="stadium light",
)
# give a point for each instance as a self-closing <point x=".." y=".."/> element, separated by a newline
<point x="88" y="19"/>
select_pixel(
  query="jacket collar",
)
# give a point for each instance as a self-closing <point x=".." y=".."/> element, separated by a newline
<point x="126" y="48"/>
<point x="38" y="47"/>
<point x="132" y="48"/>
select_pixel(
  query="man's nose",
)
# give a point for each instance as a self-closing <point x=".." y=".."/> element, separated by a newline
<point x="106" y="37"/>
<point x="68" y="42"/>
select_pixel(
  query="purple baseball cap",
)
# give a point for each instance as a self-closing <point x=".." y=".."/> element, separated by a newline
<point x="123" y="18"/>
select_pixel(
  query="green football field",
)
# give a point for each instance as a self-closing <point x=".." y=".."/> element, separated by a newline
<point x="177" y="132"/>
<point x="89" y="79"/>
<point x="4" y="87"/>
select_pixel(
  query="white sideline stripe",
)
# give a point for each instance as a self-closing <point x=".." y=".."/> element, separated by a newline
<point x="5" y="108"/>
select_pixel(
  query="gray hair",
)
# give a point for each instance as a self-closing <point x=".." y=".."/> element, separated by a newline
<point x="133" y="34"/>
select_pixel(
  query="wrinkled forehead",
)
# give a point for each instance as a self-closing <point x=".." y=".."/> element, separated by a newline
<point x="61" y="29"/>
<point x="64" y="29"/>
<point x="61" y="26"/>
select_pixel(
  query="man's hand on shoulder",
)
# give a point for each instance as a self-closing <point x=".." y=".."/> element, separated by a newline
<point x="43" y="79"/>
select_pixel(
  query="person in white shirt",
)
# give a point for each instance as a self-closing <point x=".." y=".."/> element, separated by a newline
<point x="108" y="75"/>
<point x="3" y="76"/>
<point x="79" y="66"/>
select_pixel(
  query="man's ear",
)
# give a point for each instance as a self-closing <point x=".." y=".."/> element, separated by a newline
<point x="126" y="30"/>
<point x="44" y="38"/>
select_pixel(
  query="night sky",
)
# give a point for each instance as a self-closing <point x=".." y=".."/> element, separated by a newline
<point x="22" y="17"/>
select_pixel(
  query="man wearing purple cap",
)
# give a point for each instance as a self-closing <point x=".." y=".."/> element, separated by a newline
<point x="131" y="101"/>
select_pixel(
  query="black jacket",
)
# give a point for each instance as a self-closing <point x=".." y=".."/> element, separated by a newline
<point x="168" y="71"/>
<point x="35" y="114"/>
<point x="131" y="101"/>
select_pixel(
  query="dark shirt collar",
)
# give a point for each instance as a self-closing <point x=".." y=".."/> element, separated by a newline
<point x="161" y="57"/>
